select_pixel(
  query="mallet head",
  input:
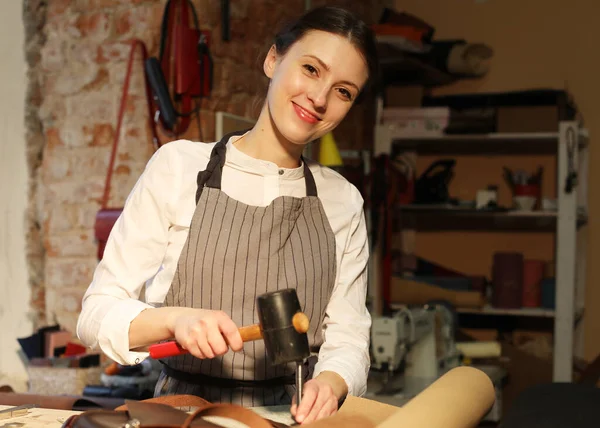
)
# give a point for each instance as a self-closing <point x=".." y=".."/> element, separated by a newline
<point x="283" y="326"/>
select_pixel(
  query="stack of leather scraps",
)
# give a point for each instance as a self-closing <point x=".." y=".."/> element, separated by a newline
<point x="412" y="35"/>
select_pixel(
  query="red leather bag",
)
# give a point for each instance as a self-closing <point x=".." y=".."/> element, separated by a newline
<point x="107" y="216"/>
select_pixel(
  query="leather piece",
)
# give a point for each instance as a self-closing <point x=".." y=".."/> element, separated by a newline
<point x="180" y="400"/>
<point x="231" y="411"/>
<point x="105" y="221"/>
<point x="46" y="401"/>
<point x="163" y="412"/>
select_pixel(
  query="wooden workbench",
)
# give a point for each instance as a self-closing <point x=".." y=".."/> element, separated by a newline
<point x="50" y="418"/>
<point x="37" y="418"/>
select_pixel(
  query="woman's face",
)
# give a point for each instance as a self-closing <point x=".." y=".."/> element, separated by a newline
<point x="313" y="85"/>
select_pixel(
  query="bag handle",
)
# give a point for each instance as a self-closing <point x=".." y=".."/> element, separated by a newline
<point x="156" y="141"/>
<point x="179" y="400"/>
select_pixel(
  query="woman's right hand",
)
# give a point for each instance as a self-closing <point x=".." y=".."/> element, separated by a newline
<point x="205" y="333"/>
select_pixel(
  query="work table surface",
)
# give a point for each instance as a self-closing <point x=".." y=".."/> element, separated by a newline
<point x="37" y="418"/>
<point x="50" y="418"/>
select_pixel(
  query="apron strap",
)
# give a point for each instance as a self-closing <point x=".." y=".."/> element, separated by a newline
<point x="311" y="187"/>
<point x="211" y="176"/>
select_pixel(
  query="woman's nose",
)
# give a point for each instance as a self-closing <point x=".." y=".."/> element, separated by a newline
<point x="318" y="96"/>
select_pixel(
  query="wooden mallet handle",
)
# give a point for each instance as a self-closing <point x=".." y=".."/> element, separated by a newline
<point x="248" y="333"/>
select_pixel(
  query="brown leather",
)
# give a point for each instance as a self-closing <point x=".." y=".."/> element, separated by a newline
<point x="65" y="402"/>
<point x="181" y="400"/>
<point x="46" y="401"/>
<point x="105" y="220"/>
<point x="162" y="412"/>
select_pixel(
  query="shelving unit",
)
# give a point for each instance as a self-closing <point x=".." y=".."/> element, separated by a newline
<point x="565" y="222"/>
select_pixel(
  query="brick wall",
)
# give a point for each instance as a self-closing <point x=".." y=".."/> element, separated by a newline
<point x="77" y="58"/>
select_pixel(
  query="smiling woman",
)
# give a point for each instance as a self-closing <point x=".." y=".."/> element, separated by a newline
<point x="209" y="227"/>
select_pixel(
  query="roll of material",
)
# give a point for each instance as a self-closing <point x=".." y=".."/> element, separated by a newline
<point x="458" y="399"/>
<point x="480" y="349"/>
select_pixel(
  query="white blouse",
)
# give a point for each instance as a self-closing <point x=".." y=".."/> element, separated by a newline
<point x="147" y="239"/>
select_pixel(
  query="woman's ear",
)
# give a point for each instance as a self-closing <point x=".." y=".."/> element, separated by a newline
<point x="270" y="62"/>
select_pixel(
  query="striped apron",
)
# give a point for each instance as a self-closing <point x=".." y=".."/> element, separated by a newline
<point x="235" y="252"/>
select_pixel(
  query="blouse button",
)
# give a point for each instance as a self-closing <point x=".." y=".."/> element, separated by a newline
<point x="281" y="172"/>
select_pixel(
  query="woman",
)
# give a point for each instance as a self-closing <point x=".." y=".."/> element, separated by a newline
<point x="208" y="227"/>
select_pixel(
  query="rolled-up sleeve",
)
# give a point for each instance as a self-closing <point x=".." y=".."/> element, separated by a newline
<point x="134" y="253"/>
<point x="347" y="323"/>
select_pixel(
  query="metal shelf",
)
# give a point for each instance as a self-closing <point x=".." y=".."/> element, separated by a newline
<point x="436" y="217"/>
<point x="570" y="256"/>
<point x="503" y="143"/>
<point x="519" y="312"/>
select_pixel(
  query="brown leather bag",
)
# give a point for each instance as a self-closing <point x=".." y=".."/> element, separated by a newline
<point x="160" y="412"/>
<point x="106" y="217"/>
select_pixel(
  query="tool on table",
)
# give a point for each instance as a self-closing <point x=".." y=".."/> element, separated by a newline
<point x="282" y="326"/>
<point x="14" y="412"/>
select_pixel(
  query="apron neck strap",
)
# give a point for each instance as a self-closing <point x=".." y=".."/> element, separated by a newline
<point x="211" y="176"/>
<point x="311" y="186"/>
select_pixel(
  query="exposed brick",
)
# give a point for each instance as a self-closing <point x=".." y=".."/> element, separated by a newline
<point x="82" y="51"/>
<point x="63" y="163"/>
<point x="71" y="244"/>
<point x="57" y="7"/>
<point x="73" y="80"/>
<point x="86" y="5"/>
<point x="83" y="189"/>
<point x="118" y="72"/>
<point x="53" y="54"/>
<point x="83" y="110"/>
<point x="53" y="139"/>
<point x="38" y="299"/>
<point x="95" y="26"/>
<point x="102" y="134"/>
<point x="135" y="21"/>
<point x="62" y="218"/>
<point x="52" y="110"/>
<point x="69" y="271"/>
<point x="112" y="52"/>
<point x="63" y="26"/>
<point x="56" y="165"/>
<point x="86" y="214"/>
<point x="67" y="300"/>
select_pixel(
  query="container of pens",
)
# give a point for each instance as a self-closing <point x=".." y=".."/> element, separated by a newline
<point x="526" y="188"/>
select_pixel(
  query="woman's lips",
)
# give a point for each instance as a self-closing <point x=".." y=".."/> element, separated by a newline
<point x="305" y="115"/>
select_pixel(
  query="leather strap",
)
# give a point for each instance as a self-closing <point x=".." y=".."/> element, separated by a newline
<point x="156" y="142"/>
<point x="205" y="408"/>
<point x="181" y="400"/>
<point x="231" y="411"/>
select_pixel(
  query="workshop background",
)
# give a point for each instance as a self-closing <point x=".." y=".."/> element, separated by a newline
<point x="70" y="74"/>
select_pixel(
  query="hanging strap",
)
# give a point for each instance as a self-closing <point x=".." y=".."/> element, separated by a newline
<point x="156" y="141"/>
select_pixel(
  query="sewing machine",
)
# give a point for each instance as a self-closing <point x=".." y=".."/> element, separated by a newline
<point x="415" y="344"/>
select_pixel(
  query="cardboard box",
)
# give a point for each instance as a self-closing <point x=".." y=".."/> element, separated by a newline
<point x="527" y="119"/>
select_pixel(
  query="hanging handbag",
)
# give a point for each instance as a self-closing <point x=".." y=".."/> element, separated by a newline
<point x="106" y="217"/>
<point x="184" y="64"/>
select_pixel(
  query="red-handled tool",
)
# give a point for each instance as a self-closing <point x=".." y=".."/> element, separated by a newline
<point x="253" y="332"/>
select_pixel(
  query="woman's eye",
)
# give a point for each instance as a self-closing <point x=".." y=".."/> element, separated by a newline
<point x="310" y="68"/>
<point x="346" y="93"/>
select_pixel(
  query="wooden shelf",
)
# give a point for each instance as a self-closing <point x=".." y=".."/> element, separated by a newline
<point x="446" y="217"/>
<point x="497" y="143"/>
<point x="520" y="312"/>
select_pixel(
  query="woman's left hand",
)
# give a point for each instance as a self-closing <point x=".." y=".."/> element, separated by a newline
<point x="319" y="398"/>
